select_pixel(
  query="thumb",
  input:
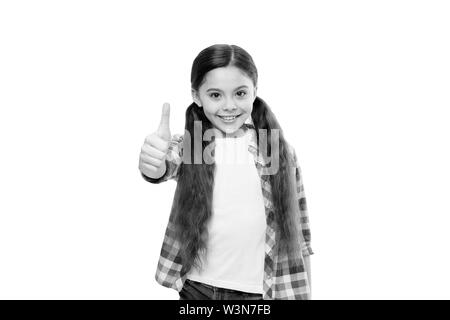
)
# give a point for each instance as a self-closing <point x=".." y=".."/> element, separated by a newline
<point x="164" y="127"/>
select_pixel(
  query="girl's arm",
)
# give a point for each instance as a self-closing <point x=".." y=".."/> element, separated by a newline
<point x="173" y="161"/>
<point x="304" y="216"/>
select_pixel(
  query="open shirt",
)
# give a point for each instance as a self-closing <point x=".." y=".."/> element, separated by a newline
<point x="283" y="279"/>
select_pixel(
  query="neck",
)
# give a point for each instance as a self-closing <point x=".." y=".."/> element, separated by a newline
<point x="237" y="134"/>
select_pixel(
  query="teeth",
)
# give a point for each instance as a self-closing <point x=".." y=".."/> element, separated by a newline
<point x="228" y="118"/>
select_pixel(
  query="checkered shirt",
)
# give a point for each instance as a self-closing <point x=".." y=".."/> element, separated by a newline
<point x="283" y="279"/>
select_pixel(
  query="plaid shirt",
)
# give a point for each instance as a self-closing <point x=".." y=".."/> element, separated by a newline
<point x="282" y="278"/>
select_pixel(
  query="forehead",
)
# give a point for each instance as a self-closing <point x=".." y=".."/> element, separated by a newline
<point x="226" y="78"/>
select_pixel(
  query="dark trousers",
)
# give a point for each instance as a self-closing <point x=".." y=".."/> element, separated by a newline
<point x="193" y="290"/>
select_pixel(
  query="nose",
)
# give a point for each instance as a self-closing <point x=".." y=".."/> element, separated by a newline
<point x="229" y="106"/>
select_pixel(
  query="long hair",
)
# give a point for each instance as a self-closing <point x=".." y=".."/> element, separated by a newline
<point x="192" y="206"/>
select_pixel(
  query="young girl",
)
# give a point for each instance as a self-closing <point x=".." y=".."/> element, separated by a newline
<point x="238" y="227"/>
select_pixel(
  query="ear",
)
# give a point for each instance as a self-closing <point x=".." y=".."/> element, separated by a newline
<point x="195" y="97"/>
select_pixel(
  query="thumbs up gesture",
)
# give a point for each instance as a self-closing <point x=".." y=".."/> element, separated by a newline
<point x="154" y="151"/>
<point x="164" y="129"/>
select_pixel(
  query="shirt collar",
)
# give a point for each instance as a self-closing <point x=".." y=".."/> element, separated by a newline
<point x="260" y="158"/>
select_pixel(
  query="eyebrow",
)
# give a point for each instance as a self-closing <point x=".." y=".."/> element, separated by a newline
<point x="215" y="89"/>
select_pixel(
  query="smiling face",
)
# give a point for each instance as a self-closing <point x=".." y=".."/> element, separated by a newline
<point x="226" y="96"/>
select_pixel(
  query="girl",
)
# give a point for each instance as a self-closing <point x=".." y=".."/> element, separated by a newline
<point x="237" y="229"/>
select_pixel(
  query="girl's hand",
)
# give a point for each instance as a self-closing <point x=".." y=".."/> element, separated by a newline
<point x="154" y="151"/>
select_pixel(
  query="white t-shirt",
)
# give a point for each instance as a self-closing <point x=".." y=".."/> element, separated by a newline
<point x="235" y="254"/>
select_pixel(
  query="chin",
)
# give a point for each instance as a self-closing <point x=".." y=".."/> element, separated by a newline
<point x="230" y="129"/>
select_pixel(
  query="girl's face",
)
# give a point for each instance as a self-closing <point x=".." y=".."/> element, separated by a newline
<point x="226" y="96"/>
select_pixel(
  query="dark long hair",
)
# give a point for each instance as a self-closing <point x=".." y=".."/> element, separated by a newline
<point x="192" y="206"/>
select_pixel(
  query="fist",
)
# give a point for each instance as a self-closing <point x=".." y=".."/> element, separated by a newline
<point x="156" y="145"/>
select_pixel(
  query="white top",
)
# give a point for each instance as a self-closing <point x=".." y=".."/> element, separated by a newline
<point x="235" y="247"/>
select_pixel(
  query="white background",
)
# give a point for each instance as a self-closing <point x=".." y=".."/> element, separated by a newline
<point x="361" y="89"/>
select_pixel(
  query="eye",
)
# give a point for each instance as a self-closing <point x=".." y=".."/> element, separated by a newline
<point x="241" y="93"/>
<point x="214" y="95"/>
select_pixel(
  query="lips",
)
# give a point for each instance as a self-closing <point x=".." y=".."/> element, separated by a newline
<point x="229" y="117"/>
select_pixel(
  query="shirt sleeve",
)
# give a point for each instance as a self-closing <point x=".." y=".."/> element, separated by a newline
<point x="304" y="217"/>
<point x="173" y="161"/>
